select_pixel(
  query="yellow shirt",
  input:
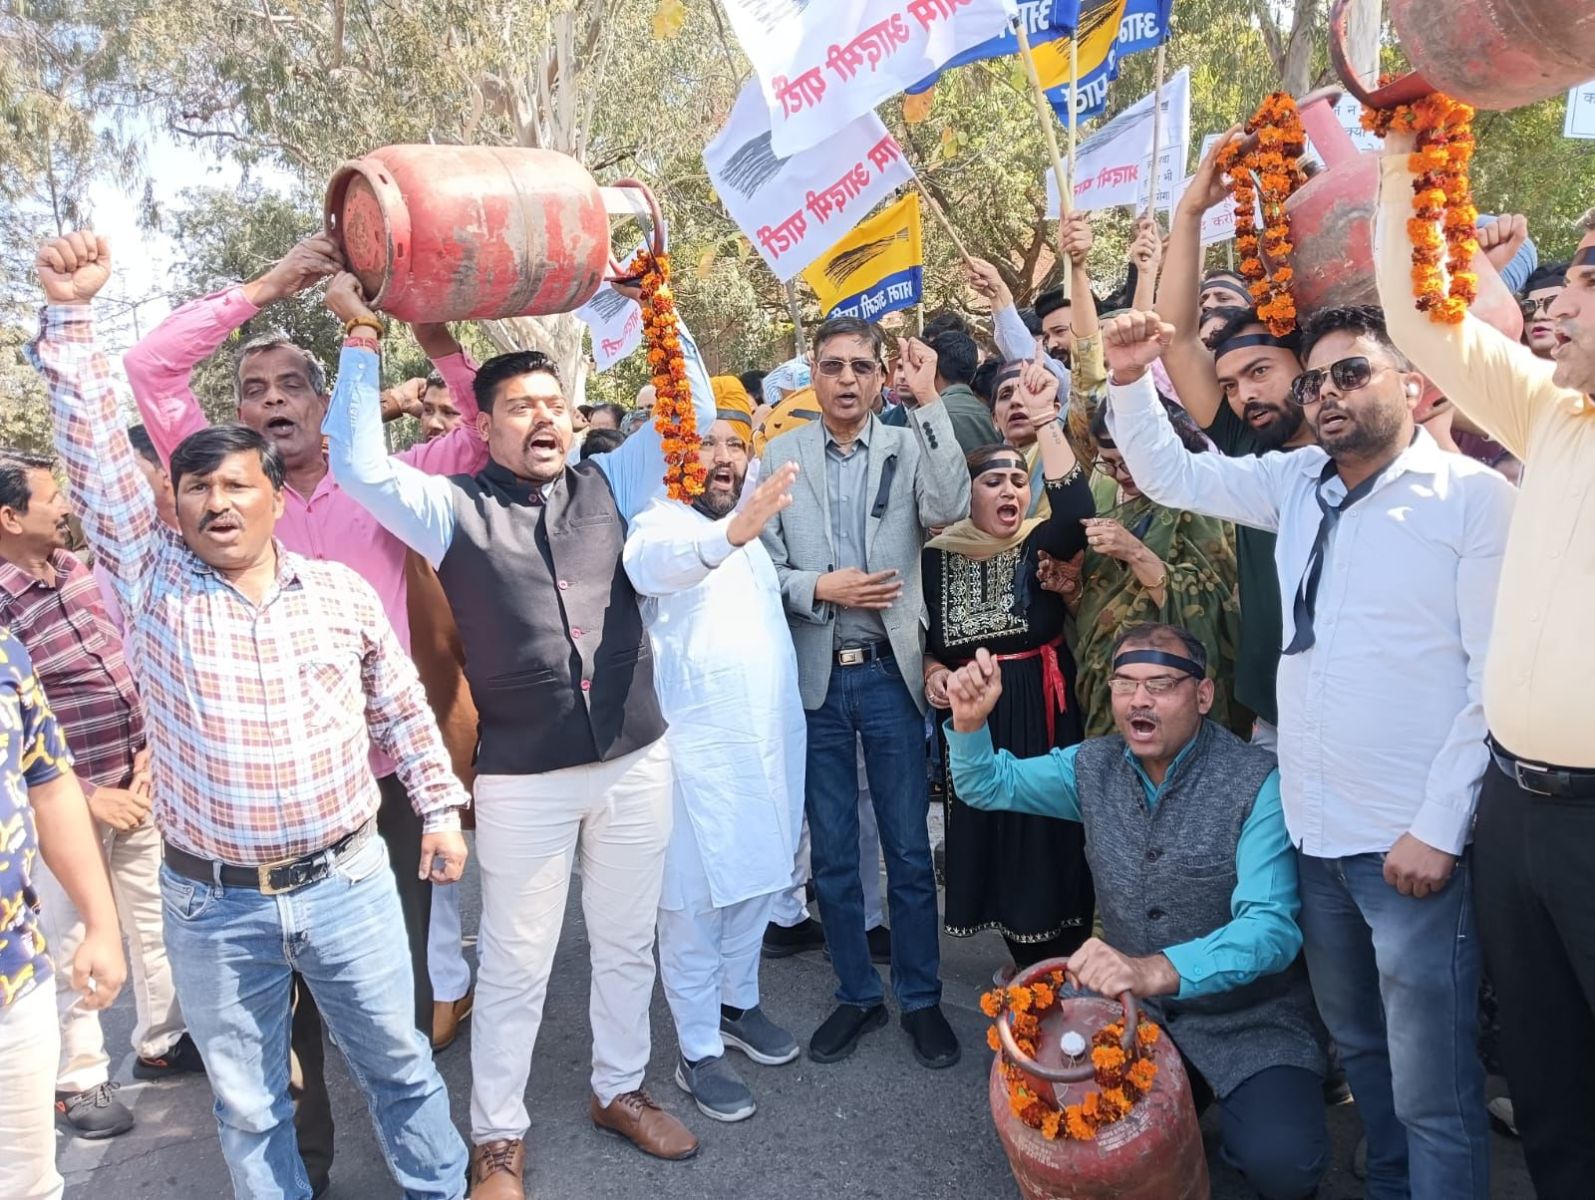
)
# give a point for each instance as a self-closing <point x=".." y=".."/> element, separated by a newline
<point x="1542" y="656"/>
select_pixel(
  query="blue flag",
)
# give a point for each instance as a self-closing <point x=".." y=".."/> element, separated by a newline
<point x="1044" y="21"/>
<point x="1144" y="26"/>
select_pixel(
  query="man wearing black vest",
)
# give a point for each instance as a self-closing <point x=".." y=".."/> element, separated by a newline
<point x="1196" y="886"/>
<point x="571" y="751"/>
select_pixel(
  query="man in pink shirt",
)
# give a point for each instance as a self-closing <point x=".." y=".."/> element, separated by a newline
<point x="282" y="393"/>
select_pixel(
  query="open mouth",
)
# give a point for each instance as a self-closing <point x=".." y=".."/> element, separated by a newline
<point x="1333" y="422"/>
<point x="722" y="477"/>
<point x="543" y="441"/>
<point x="847" y="396"/>
<point x="1257" y="416"/>
<point x="280" y="427"/>
<point x="1142" y="727"/>
<point x="1007" y="512"/>
<point x="224" y="528"/>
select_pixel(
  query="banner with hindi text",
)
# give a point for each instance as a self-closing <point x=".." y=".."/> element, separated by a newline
<point x="876" y="269"/>
<point x="822" y="64"/>
<point x="1113" y="165"/>
<point x="1043" y="20"/>
<point x="793" y="209"/>
<point x="615" y="322"/>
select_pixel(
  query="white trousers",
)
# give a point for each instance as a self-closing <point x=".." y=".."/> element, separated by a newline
<point x="791" y="906"/>
<point x="445" y="946"/>
<point x="29" y="1045"/>
<point x="133" y="860"/>
<point x="528" y="831"/>
<point x="1265" y="736"/>
<point x="708" y="956"/>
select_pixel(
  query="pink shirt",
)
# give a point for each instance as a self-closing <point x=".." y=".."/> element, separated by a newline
<point x="327" y="524"/>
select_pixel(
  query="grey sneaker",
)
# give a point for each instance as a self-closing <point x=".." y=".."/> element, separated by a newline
<point x="760" y="1038"/>
<point x="716" y="1089"/>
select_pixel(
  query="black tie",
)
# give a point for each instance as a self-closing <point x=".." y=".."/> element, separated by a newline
<point x="1307" y="591"/>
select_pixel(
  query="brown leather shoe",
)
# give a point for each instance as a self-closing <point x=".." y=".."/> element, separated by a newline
<point x="650" y="1128"/>
<point x="446" y="1018"/>
<point x="496" y="1170"/>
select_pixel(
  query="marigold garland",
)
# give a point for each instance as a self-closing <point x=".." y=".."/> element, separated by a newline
<point x="1443" y="215"/>
<point x="1122" y="1078"/>
<point x="1269" y="165"/>
<point x="674" y="416"/>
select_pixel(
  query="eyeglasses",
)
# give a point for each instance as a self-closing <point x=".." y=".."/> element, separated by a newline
<point x="863" y="368"/>
<point x="1533" y="306"/>
<point x="1157" y="685"/>
<point x="1113" y="468"/>
<point x="1349" y="374"/>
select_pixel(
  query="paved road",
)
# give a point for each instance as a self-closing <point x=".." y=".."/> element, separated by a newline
<point x="874" y="1127"/>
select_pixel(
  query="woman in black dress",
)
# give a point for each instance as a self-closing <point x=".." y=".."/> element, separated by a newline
<point x="1023" y="875"/>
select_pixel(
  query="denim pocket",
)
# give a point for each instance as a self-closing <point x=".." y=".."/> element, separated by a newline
<point x="364" y="862"/>
<point x="186" y="899"/>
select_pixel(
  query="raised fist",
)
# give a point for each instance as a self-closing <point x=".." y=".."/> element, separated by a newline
<point x="1075" y="237"/>
<point x="73" y="267"/>
<point x="1133" y="341"/>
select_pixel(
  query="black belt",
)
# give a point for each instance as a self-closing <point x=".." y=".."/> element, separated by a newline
<point x="270" y="879"/>
<point x="853" y="656"/>
<point x="1542" y="779"/>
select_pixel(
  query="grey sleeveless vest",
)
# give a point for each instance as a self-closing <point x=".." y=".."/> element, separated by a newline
<point x="1165" y="876"/>
<point x="555" y="650"/>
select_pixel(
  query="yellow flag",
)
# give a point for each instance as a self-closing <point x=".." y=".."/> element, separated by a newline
<point x="876" y="269"/>
<point x="1097" y="32"/>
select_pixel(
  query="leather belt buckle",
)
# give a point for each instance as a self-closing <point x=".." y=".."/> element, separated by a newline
<point x="1522" y="770"/>
<point x="265" y="872"/>
<point x="852" y="656"/>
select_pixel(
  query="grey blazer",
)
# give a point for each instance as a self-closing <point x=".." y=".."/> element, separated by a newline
<point x="929" y="489"/>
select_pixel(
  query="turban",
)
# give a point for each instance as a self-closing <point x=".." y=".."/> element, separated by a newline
<point x="731" y="401"/>
<point x="796" y="410"/>
<point x="789" y="377"/>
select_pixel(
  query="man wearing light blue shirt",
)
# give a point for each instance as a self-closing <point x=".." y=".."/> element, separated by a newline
<point x="1389" y="553"/>
<point x="1196" y="886"/>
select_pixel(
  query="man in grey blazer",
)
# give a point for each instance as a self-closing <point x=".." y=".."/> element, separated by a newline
<point x="847" y="552"/>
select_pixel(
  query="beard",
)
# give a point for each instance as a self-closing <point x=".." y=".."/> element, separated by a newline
<point x="1285" y="425"/>
<point x="718" y="502"/>
<point x="1374" y="431"/>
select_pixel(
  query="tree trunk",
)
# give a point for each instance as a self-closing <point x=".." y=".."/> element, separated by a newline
<point x="1296" y="70"/>
<point x="1364" y="19"/>
<point x="558" y="336"/>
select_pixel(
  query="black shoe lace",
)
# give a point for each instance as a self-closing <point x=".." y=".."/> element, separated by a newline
<point x="496" y="1157"/>
<point x="638" y="1100"/>
<point x="101" y="1095"/>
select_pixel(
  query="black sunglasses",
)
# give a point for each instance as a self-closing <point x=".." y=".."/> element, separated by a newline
<point x="1349" y="374"/>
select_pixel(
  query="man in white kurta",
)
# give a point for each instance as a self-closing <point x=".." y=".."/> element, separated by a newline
<point x="726" y="675"/>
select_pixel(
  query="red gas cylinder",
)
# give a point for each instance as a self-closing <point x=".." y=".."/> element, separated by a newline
<point x="451" y="233"/>
<point x="1152" y="1153"/>
<point x="1332" y="220"/>
<point x="1491" y="53"/>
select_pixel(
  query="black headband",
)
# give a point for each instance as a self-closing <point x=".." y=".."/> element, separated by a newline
<point x="1161" y="658"/>
<point x="1227" y="285"/>
<point x="998" y="462"/>
<point x="735" y="415"/>
<point x="1242" y="340"/>
<point x="1584" y="257"/>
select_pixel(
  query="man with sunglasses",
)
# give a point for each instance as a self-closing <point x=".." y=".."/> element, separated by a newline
<point x="1388" y="555"/>
<point x="1536" y="832"/>
<point x="847" y="552"/>
<point x="1196" y="888"/>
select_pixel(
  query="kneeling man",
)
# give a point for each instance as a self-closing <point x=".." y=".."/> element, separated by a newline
<point x="1196" y="888"/>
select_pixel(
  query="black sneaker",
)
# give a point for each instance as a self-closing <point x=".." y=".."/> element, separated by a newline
<point x="935" y="1044"/>
<point x="783" y="942"/>
<point x="94" y="1114"/>
<point x="182" y="1059"/>
<point x="834" y="1040"/>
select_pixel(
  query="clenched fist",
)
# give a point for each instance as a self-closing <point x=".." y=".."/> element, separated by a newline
<point x="73" y="267"/>
<point x="1133" y="341"/>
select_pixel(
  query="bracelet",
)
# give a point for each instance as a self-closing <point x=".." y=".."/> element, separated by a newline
<point x="368" y="322"/>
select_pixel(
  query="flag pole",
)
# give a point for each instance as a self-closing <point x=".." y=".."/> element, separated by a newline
<point x="1074" y="103"/>
<point x="1044" y="114"/>
<point x="1157" y="136"/>
<point x="936" y="211"/>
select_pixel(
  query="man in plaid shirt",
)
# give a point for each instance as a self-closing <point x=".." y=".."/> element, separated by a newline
<point x="52" y="603"/>
<point x="266" y="677"/>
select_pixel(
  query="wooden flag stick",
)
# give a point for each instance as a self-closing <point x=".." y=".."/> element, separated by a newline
<point x="930" y="202"/>
<point x="1074" y="102"/>
<point x="1157" y="137"/>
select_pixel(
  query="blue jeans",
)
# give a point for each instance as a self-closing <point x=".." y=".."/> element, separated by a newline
<point x="870" y="702"/>
<point x="1397" y="983"/>
<point x="234" y="952"/>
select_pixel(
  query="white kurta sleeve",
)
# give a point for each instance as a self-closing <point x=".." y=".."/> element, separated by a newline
<point x="671" y="548"/>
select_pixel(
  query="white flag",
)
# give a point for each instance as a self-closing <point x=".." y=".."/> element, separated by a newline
<point x="1112" y="166"/>
<point x="824" y="63"/>
<point x="1580" y="119"/>
<point x="795" y="209"/>
<point x="615" y="322"/>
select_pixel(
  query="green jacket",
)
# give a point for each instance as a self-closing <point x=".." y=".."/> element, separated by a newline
<point x="972" y="423"/>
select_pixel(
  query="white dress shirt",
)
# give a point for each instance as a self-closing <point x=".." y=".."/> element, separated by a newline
<point x="1381" y="727"/>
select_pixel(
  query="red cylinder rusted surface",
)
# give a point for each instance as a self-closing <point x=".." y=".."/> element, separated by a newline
<point x="1491" y="53"/>
<point x="1153" y="1153"/>
<point x="451" y="233"/>
<point x="1332" y="219"/>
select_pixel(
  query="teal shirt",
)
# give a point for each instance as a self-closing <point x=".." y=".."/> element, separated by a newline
<point x="1262" y="936"/>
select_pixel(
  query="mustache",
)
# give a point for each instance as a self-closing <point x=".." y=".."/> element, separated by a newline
<point x="1143" y="714"/>
<point x="211" y="518"/>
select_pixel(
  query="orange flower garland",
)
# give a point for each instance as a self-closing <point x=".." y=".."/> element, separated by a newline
<point x="674" y="417"/>
<point x="1443" y="215"/>
<point x="1269" y="165"/>
<point x="1122" y="1079"/>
